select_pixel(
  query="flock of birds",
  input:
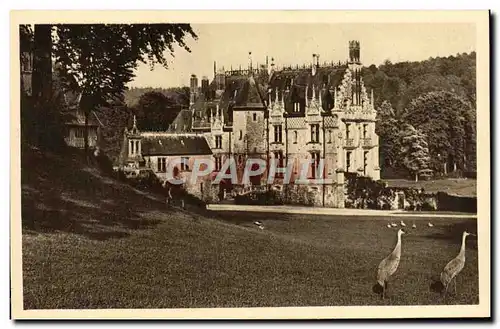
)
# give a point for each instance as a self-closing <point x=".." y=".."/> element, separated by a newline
<point x="390" y="225"/>
<point x="389" y="265"/>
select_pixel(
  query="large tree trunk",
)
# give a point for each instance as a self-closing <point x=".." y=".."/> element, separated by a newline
<point x="86" y="133"/>
<point x="42" y="63"/>
<point x="85" y="109"/>
<point x="416" y="177"/>
<point x="41" y="79"/>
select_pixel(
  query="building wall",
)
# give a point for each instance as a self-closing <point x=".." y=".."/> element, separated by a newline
<point x="75" y="137"/>
<point x="193" y="184"/>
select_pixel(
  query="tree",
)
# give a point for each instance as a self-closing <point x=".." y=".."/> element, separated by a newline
<point x="415" y="150"/>
<point x="387" y="128"/>
<point x="155" y="111"/>
<point x="114" y="117"/>
<point x="449" y="122"/>
<point x="98" y="60"/>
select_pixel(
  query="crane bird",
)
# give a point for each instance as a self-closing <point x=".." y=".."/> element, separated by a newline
<point x="394" y="224"/>
<point x="403" y="224"/>
<point x="430" y="224"/>
<point x="259" y="224"/>
<point x="451" y="270"/>
<point x="389" y="225"/>
<point x="414" y="225"/>
<point x="388" y="266"/>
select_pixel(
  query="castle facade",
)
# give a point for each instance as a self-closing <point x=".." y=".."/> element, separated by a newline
<point x="318" y="113"/>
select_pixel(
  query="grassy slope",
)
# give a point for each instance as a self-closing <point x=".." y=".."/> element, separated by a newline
<point x="105" y="245"/>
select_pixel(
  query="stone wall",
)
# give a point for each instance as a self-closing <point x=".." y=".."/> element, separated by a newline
<point x="306" y="195"/>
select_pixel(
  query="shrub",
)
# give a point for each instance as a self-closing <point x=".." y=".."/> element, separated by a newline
<point x="270" y="197"/>
<point x="104" y="163"/>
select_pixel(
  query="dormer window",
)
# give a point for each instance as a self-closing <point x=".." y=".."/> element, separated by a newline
<point x="296" y="107"/>
<point x="134" y="147"/>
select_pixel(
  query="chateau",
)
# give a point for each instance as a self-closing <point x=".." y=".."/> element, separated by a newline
<point x="320" y="112"/>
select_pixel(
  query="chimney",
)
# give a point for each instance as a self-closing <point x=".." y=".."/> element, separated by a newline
<point x="204" y="86"/>
<point x="250" y="61"/>
<point x="313" y="65"/>
<point x="354" y="52"/>
<point x="193" y="89"/>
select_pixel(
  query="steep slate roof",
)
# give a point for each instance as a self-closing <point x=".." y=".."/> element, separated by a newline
<point x="250" y="95"/>
<point x="326" y="78"/>
<point x="244" y="92"/>
<point x="76" y="118"/>
<point x="182" y="122"/>
<point x="174" y="144"/>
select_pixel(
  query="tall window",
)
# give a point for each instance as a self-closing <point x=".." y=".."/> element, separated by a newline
<point x="365" y="130"/>
<point x="330" y="134"/>
<point x="184" y="163"/>
<point x="295" y="137"/>
<point x="162" y="165"/>
<point x="218" y="163"/>
<point x="78" y="132"/>
<point x="348" y="161"/>
<point x="132" y="150"/>
<point x="315" y="164"/>
<point x="218" y="142"/>
<point x="278" y="155"/>
<point x="315" y="133"/>
<point x="277" y="133"/>
<point x="241" y="134"/>
<point x="347" y="131"/>
<point x="255" y="117"/>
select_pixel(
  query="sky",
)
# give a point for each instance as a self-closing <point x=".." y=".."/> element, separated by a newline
<point x="291" y="44"/>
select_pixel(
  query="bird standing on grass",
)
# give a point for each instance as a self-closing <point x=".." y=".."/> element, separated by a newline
<point x="403" y="224"/>
<point x="388" y="266"/>
<point x="451" y="270"/>
<point x="259" y="224"/>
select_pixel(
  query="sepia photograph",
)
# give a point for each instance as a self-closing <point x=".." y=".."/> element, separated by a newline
<point x="250" y="165"/>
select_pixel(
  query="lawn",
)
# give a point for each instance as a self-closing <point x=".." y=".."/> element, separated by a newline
<point x="92" y="242"/>
<point x="462" y="187"/>
<point x="193" y="261"/>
